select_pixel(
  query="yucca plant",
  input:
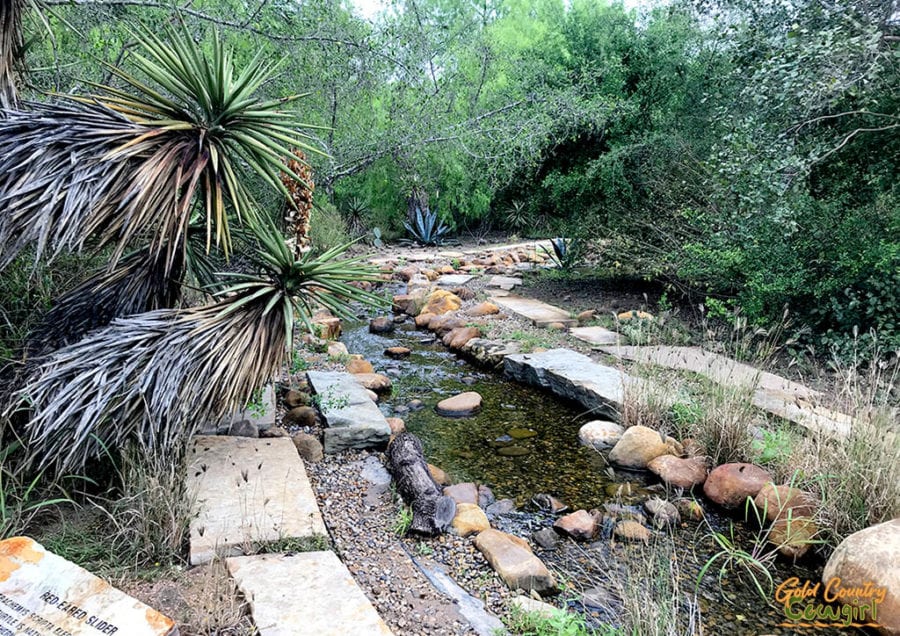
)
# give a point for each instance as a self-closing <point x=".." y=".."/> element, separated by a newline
<point x="156" y="376"/>
<point x="12" y="43"/>
<point x="127" y="163"/>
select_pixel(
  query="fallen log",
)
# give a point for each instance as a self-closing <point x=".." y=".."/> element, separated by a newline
<point x="432" y="512"/>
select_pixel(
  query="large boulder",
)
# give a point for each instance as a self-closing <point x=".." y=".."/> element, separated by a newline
<point x="512" y="558"/>
<point x="682" y="473"/>
<point x="639" y="445"/>
<point x="462" y="405"/>
<point x="441" y="301"/>
<point x="382" y="324"/>
<point x="600" y="434"/>
<point x="870" y="557"/>
<point x="729" y="485"/>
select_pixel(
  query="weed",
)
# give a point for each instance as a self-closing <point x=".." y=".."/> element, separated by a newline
<point x="557" y="623"/>
<point x="314" y="543"/>
<point x="299" y="364"/>
<point x="423" y="549"/>
<point x="774" y="447"/>
<point x="256" y="406"/>
<point x="402" y="521"/>
<point x="529" y="340"/>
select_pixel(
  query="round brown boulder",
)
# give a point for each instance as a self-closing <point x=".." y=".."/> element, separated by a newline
<point x="580" y="525"/>
<point x="638" y="446"/>
<point x="300" y="416"/>
<point x="358" y="365"/>
<point x="397" y="353"/>
<point x="779" y="502"/>
<point x="484" y="309"/>
<point x="729" y="485"/>
<point x="462" y="405"/>
<point x="682" y="473"/>
<point x="293" y="399"/>
<point x="309" y="447"/>
<point x="441" y="301"/>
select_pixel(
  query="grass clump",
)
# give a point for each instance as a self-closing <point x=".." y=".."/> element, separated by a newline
<point x="556" y="623"/>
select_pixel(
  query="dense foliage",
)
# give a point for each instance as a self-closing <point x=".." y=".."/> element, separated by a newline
<point x="744" y="151"/>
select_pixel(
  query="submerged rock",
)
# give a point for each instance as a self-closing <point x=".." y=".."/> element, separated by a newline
<point x="462" y="405"/>
<point x="631" y="531"/>
<point x="546" y="538"/>
<point x="521" y="433"/>
<point x="580" y="525"/>
<point x="513" y="451"/>
<point x="382" y="324"/>
<point x="663" y="512"/>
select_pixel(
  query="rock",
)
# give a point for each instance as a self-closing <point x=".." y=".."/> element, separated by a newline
<point x="549" y="503"/>
<point x="870" y="557"/>
<point x="586" y="316"/>
<point x="405" y="273"/>
<point x="664" y="513"/>
<point x="445" y="269"/>
<point x="521" y="433"/>
<point x="430" y="274"/>
<point x="374" y="382"/>
<point x="466" y="492"/>
<point x="462" y="405"/>
<point x="579" y="525"/>
<point x="547" y="538"/>
<point x="293" y="399"/>
<point x="397" y="425"/>
<point x="423" y="320"/>
<point x="485" y="496"/>
<point x="464" y="293"/>
<point x="631" y="530"/>
<point x="337" y="350"/>
<point x="328" y="327"/>
<point x="529" y="605"/>
<point x="371" y="395"/>
<point x="483" y="309"/>
<point x="513" y="451"/>
<point x="600" y="434"/>
<point x="637" y="447"/>
<point x="781" y="502"/>
<point x="358" y="365"/>
<point x="397" y="353"/>
<point x="556" y="326"/>
<point x="512" y="558"/>
<point x="352" y="419"/>
<point x="793" y="536"/>
<point x="682" y="473"/>
<point x="443" y="324"/>
<point x="458" y="338"/>
<point x="501" y="507"/>
<point x="438" y="475"/>
<point x="300" y="416"/>
<point x="599" y="598"/>
<point x="625" y="316"/>
<point x="490" y="352"/>
<point x="469" y="519"/>
<point x="382" y="324"/>
<point x="729" y="485"/>
<point x="441" y="301"/>
<point x="274" y="431"/>
<point x="415" y="405"/>
<point x="243" y="428"/>
<point x="309" y="447"/>
<point x="690" y="509"/>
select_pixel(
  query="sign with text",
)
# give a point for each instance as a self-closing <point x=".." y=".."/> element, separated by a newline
<point x="42" y="594"/>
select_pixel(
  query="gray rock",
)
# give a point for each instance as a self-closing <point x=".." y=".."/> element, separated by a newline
<point x="546" y="538"/>
<point x="485" y="496"/>
<point x="664" y="513"/>
<point x="501" y="507"/>
<point x="600" y="434"/>
<point x="353" y="420"/>
<point x="243" y="428"/>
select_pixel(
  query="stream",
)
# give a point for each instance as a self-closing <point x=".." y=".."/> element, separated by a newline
<point x="548" y="458"/>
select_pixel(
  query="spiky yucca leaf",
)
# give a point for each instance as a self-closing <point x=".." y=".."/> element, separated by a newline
<point x="157" y="376"/>
<point x="118" y="166"/>
<point x="11" y="44"/>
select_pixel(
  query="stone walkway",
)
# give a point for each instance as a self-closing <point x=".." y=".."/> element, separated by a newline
<point x="534" y="311"/>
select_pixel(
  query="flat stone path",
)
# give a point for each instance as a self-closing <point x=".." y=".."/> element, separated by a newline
<point x="353" y="420"/>
<point x="573" y="376"/>
<point x="772" y="393"/>
<point x="454" y="280"/>
<point x="538" y="313"/>
<point x="247" y="491"/>
<point x="304" y="594"/>
<point x="596" y="335"/>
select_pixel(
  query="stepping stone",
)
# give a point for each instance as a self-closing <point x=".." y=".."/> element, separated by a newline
<point x="454" y="280"/>
<point x="573" y="376"/>
<point x="353" y="420"/>
<point x="505" y="282"/>
<point x="596" y="335"/>
<point x="304" y="594"/>
<point x="538" y="313"/>
<point x="772" y="393"/>
<point x="42" y="593"/>
<point x="247" y="491"/>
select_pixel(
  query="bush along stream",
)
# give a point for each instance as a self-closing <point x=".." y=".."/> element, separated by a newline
<point x="670" y="550"/>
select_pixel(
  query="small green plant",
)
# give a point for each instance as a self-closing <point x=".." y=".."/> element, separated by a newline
<point x="731" y="559"/>
<point x="329" y="400"/>
<point x="377" y="241"/>
<point x="424" y="549"/>
<point x="716" y="308"/>
<point x="299" y="364"/>
<point x="257" y="406"/>
<point x="21" y="496"/>
<point x="402" y="521"/>
<point x="427" y="228"/>
<point x="455" y="263"/>
<point x="774" y="447"/>
<point x="528" y="340"/>
<point x="558" y="623"/>
<point x="517" y="215"/>
<point x="314" y="543"/>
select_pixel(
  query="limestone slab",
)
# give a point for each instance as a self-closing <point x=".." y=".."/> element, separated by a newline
<point x="353" y="420"/>
<point x="246" y="492"/>
<point x="454" y="280"/>
<point x="42" y="594"/>
<point x="596" y="335"/>
<point x="504" y="282"/>
<point x="573" y="376"/>
<point x="535" y="311"/>
<point x="304" y="594"/>
<point x="773" y="393"/>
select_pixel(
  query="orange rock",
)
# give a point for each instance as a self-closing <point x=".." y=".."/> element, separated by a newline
<point x="483" y="309"/>
<point x="358" y="365"/>
<point x="440" y="302"/>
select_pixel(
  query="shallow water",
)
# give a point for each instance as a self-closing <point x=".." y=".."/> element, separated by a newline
<point x="555" y="463"/>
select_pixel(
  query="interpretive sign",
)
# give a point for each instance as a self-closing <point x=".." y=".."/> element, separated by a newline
<point x="42" y="594"/>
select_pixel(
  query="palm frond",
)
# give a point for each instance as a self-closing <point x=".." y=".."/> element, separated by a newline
<point x="11" y="45"/>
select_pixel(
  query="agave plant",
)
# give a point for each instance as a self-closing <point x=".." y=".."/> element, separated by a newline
<point x="134" y="162"/>
<point x="156" y="376"/>
<point x="426" y="228"/>
<point x="566" y="252"/>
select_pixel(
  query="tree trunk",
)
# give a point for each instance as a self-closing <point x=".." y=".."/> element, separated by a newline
<point x="432" y="511"/>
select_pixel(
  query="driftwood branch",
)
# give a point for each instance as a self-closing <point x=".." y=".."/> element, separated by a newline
<point x="432" y="511"/>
